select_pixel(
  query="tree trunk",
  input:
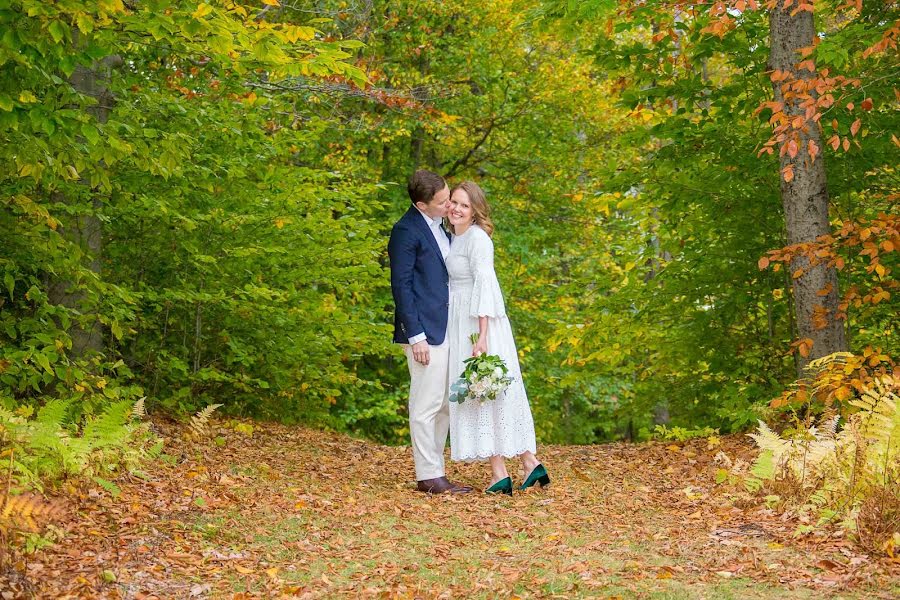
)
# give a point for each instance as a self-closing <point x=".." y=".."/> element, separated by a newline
<point x="805" y="196"/>
<point x="85" y="230"/>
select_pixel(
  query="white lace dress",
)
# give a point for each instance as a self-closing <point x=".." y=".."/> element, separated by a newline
<point x="502" y="426"/>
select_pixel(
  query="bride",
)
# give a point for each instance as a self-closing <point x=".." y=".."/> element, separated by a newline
<point x="500" y="428"/>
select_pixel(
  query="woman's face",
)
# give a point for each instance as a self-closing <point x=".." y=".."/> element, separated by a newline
<point x="460" y="208"/>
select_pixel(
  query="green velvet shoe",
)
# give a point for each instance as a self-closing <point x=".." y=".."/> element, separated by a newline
<point x="504" y="486"/>
<point x="538" y="475"/>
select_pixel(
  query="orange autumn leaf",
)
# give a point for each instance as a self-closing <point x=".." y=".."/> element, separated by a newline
<point x="813" y="150"/>
<point x="788" y="173"/>
<point x="792" y="148"/>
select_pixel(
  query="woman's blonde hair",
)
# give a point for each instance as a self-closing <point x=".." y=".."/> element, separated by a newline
<point x="480" y="209"/>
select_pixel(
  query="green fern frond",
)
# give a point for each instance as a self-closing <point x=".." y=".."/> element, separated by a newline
<point x="753" y="485"/>
<point x="819" y="498"/>
<point x="154" y="451"/>
<point x="9" y="419"/>
<point x="764" y="465"/>
<point x="109" y="486"/>
<point x="110" y="428"/>
<point x="44" y="436"/>
<point x="54" y="412"/>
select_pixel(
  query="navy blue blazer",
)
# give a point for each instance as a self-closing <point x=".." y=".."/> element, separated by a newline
<point x="419" y="280"/>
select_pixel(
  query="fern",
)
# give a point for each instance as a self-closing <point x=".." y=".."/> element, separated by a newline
<point x="764" y="465"/>
<point x="109" y="486"/>
<point x="837" y="470"/>
<point x="139" y="412"/>
<point x="819" y="498"/>
<point x="154" y="451"/>
<point x="879" y="418"/>
<point x="820" y="364"/>
<point x="110" y="427"/>
<point x="753" y="484"/>
<point x="28" y="512"/>
<point x="769" y="441"/>
<point x="829" y="431"/>
<point x="200" y="420"/>
<point x="53" y="413"/>
<point x="48" y="447"/>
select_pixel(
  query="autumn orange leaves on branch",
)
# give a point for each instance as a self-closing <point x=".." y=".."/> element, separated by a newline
<point x="802" y="86"/>
<point x="803" y="94"/>
<point x="876" y="240"/>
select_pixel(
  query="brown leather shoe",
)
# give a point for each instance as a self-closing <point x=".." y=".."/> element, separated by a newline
<point x="441" y="485"/>
<point x="457" y="488"/>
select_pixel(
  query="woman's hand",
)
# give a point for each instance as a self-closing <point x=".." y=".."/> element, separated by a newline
<point x="480" y="346"/>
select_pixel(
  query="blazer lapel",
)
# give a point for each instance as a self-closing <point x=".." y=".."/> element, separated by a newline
<point x="416" y="216"/>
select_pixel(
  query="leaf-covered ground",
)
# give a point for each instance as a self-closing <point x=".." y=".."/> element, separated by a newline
<point x="290" y="512"/>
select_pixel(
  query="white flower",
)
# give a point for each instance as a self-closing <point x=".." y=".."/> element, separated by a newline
<point x="498" y="372"/>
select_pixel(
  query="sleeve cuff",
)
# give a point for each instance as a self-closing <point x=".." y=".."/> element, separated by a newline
<point x="418" y="338"/>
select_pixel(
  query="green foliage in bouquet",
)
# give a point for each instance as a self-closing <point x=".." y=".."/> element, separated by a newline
<point x="484" y="378"/>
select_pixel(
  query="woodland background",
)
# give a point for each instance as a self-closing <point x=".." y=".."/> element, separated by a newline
<point x="697" y="234"/>
<point x="196" y="201"/>
<point x="202" y="194"/>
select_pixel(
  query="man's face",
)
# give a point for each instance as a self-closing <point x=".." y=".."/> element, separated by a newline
<point x="437" y="208"/>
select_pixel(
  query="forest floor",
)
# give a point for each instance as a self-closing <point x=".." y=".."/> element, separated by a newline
<point x="291" y="512"/>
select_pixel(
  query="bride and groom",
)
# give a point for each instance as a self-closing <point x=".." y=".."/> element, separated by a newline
<point x="445" y="289"/>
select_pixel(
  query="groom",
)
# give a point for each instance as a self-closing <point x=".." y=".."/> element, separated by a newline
<point x="420" y="285"/>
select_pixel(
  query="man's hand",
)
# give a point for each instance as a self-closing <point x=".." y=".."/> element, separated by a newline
<point x="421" y="352"/>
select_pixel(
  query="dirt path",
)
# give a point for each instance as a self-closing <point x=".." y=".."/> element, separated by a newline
<point x="289" y="512"/>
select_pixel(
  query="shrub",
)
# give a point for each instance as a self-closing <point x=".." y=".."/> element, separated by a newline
<point x="845" y="468"/>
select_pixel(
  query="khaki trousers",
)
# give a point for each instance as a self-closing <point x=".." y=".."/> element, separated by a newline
<point x="429" y="410"/>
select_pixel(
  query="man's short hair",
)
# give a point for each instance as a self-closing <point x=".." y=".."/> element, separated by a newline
<point x="423" y="185"/>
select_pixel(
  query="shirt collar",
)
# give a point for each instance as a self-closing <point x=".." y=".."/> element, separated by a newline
<point x="431" y="222"/>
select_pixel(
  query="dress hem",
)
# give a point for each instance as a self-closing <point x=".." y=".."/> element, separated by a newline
<point x="483" y="457"/>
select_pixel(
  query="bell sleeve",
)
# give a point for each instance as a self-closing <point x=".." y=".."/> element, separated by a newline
<point x="487" y="300"/>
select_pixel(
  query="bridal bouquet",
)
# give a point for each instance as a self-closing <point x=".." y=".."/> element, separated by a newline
<point x="484" y="378"/>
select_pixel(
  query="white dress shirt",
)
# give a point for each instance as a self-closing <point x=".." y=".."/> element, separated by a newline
<point x="443" y="243"/>
<point x="435" y="226"/>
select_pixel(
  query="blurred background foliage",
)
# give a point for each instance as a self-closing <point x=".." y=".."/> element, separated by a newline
<point x="196" y="199"/>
